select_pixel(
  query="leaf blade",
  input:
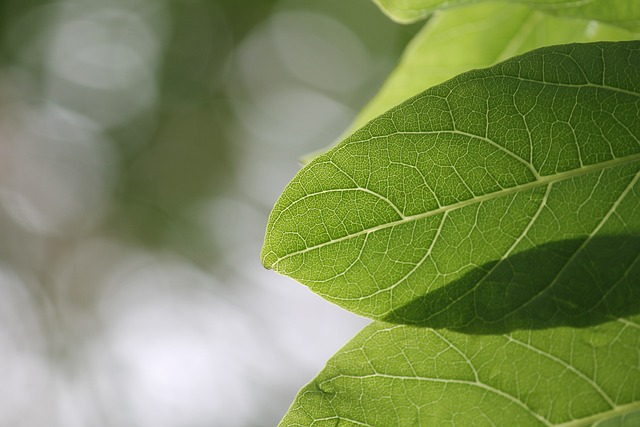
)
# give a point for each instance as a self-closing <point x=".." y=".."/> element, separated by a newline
<point x="402" y="375"/>
<point x="451" y="181"/>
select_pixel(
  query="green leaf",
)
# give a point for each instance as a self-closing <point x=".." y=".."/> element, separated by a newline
<point x="394" y="375"/>
<point x="625" y="13"/>
<point x="478" y="36"/>
<point x="506" y="197"/>
<point x="459" y="40"/>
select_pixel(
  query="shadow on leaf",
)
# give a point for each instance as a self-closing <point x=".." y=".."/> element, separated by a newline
<point x="567" y="283"/>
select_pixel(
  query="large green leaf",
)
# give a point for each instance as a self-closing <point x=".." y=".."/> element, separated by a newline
<point x="478" y="36"/>
<point x="506" y="197"/>
<point x="624" y="13"/>
<point x="393" y="375"/>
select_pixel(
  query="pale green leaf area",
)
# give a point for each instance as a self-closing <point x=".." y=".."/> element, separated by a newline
<point x="624" y="13"/>
<point x="505" y="198"/>
<point x="478" y="36"/>
<point x="395" y="375"/>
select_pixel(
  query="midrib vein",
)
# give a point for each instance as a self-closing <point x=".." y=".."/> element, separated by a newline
<point x="478" y="384"/>
<point x="543" y="180"/>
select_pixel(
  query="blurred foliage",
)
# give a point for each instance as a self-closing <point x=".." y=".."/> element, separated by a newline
<point x="176" y="154"/>
<point x="137" y="138"/>
<point x="133" y="167"/>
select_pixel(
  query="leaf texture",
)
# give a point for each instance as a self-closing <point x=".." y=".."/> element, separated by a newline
<point x="395" y="375"/>
<point x="624" y="13"/>
<point x="489" y="203"/>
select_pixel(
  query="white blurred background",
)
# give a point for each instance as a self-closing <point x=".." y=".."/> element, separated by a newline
<point x="142" y="146"/>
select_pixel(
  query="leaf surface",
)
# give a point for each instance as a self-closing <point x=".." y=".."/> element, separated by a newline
<point x="396" y="375"/>
<point x="625" y="13"/>
<point x="478" y="36"/>
<point x="505" y="198"/>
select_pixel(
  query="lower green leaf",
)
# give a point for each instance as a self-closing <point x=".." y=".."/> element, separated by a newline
<point x="395" y="375"/>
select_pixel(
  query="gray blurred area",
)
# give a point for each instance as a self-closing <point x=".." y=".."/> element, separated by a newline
<point x="142" y="146"/>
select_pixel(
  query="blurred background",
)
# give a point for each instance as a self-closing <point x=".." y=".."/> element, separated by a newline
<point x="142" y="146"/>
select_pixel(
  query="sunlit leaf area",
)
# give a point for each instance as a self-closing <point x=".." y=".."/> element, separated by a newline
<point x="142" y="146"/>
<point x="483" y="209"/>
